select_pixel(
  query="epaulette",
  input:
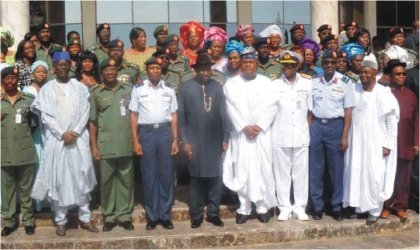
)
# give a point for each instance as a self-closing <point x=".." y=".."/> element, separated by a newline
<point x="185" y="58"/>
<point x="93" y="47"/>
<point x="95" y="87"/>
<point x="28" y="95"/>
<point x="345" y="79"/>
<point x="143" y="73"/>
<point x="306" y="76"/>
<point x="287" y="46"/>
<point x="167" y="84"/>
<point x="57" y="45"/>
<point x="134" y="66"/>
<point x="139" y="84"/>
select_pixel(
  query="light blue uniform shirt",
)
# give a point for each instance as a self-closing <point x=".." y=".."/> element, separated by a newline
<point x="154" y="104"/>
<point x="331" y="98"/>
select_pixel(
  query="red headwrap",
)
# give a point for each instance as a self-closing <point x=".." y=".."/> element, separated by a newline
<point x="189" y="27"/>
<point x="242" y="30"/>
<point x="215" y="33"/>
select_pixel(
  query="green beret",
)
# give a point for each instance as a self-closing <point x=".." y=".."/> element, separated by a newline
<point x="56" y="49"/>
<point x="101" y="27"/>
<point x="108" y="62"/>
<point x="72" y="42"/>
<point x="171" y="38"/>
<point x="115" y="44"/>
<point x="160" y="52"/>
<point x="159" y="29"/>
<point x="9" y="71"/>
<point x="153" y="60"/>
<point x="43" y="26"/>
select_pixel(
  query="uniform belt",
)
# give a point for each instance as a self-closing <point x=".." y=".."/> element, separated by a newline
<point x="156" y="125"/>
<point x="324" y="120"/>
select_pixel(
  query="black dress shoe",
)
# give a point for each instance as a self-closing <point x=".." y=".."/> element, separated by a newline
<point x="215" y="220"/>
<point x="30" y="230"/>
<point x="241" y="218"/>
<point x="127" y="225"/>
<point x="151" y="225"/>
<point x="317" y="215"/>
<point x="7" y="231"/>
<point x="167" y="224"/>
<point x="108" y="226"/>
<point x="263" y="218"/>
<point x="196" y="223"/>
<point x="337" y="215"/>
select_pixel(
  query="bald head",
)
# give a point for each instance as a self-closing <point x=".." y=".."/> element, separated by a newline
<point x="416" y="25"/>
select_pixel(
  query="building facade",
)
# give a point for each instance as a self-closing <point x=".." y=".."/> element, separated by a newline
<point x="83" y="16"/>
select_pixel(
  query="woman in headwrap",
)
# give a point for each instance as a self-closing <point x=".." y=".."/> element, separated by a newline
<point x="311" y="54"/>
<point x="233" y="51"/>
<point x="39" y="71"/>
<point x="246" y="34"/>
<point x="192" y="39"/>
<point x="355" y="54"/>
<point x="217" y="40"/>
<point x="275" y="35"/>
<point x="24" y="58"/>
<point x="7" y="41"/>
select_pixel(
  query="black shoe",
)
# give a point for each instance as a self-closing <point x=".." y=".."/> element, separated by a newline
<point x="215" y="220"/>
<point x="151" y="225"/>
<point x="167" y="224"/>
<point x="7" y="231"/>
<point x="263" y="218"/>
<point x="108" y="226"/>
<point x="317" y="215"/>
<point x="337" y="215"/>
<point x="196" y="223"/>
<point x="241" y="218"/>
<point x="127" y="225"/>
<point x="30" y="230"/>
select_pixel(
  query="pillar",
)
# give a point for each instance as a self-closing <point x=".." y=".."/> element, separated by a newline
<point x="244" y="12"/>
<point x="15" y="18"/>
<point x="370" y="19"/>
<point x="89" y="22"/>
<point x="325" y="12"/>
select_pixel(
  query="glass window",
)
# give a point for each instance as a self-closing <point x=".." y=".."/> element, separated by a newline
<point x="297" y="11"/>
<point x="215" y="10"/>
<point x="182" y="11"/>
<point x="114" y="12"/>
<point x="73" y="13"/>
<point x="55" y="13"/>
<point x="405" y="13"/>
<point x="58" y="34"/>
<point x="121" y="32"/>
<point x="150" y="11"/>
<point x="149" y="28"/>
<point x="289" y="26"/>
<point x="231" y="12"/>
<point x="266" y="12"/>
<point x="385" y="13"/>
<point x="37" y="12"/>
<point x="174" y="29"/>
<point x="74" y="27"/>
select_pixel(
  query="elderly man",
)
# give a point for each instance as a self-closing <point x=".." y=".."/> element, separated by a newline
<point x="66" y="175"/>
<point x="251" y="106"/>
<point x="371" y="160"/>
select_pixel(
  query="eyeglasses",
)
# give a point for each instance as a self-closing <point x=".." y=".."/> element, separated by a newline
<point x="399" y="74"/>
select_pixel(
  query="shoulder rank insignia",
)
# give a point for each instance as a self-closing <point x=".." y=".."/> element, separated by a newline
<point x="139" y="84"/>
<point x="306" y="76"/>
<point x="132" y="65"/>
<point x="167" y="84"/>
<point x="28" y="94"/>
<point x="345" y="79"/>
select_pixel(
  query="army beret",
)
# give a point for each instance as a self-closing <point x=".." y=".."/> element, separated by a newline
<point x="329" y="38"/>
<point x="153" y="60"/>
<point x="160" y="52"/>
<point x="101" y="27"/>
<point x="56" y="49"/>
<point x="297" y="27"/>
<point x="395" y="31"/>
<point x="341" y="54"/>
<point x="9" y="71"/>
<point x="159" y="29"/>
<point x="351" y="24"/>
<point x="330" y="54"/>
<point x="108" y="62"/>
<point x="73" y="42"/>
<point x="43" y="26"/>
<point x="324" y="27"/>
<point x="262" y="41"/>
<point x="115" y="44"/>
<point x="171" y="38"/>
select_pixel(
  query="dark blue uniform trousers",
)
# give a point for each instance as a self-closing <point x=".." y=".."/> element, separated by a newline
<point x="325" y="141"/>
<point x="157" y="171"/>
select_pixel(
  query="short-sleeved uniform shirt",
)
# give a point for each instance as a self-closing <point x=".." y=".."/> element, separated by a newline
<point x="99" y="51"/>
<point x="331" y="98"/>
<point x="272" y="69"/>
<point x="109" y="110"/>
<point x="180" y="65"/>
<point x="155" y="104"/>
<point x="42" y="54"/>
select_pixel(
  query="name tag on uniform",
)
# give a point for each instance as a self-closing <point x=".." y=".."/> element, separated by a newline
<point x="18" y="116"/>
<point x="298" y="104"/>
<point x="122" y="108"/>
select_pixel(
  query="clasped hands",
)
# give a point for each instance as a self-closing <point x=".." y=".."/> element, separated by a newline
<point x="69" y="137"/>
<point x="252" y="131"/>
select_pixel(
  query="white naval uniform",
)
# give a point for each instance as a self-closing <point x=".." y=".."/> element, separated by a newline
<point x="290" y="142"/>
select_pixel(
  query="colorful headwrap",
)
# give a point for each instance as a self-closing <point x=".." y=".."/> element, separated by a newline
<point x="63" y="55"/>
<point x="188" y="28"/>
<point x="7" y="36"/>
<point x="352" y="50"/>
<point x="249" y="53"/>
<point x="234" y="46"/>
<point x="242" y="30"/>
<point x="39" y="63"/>
<point x="215" y="33"/>
<point x="272" y="30"/>
<point x="396" y="52"/>
<point x="309" y="43"/>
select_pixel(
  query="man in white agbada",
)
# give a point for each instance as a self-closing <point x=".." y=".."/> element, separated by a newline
<point x="247" y="169"/>
<point x="290" y="137"/>
<point x="371" y="160"/>
<point x="66" y="175"/>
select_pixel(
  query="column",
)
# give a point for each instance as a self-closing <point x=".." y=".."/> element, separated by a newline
<point x="89" y="22"/>
<point x="15" y="18"/>
<point x="244" y="12"/>
<point x="370" y="19"/>
<point x="324" y="13"/>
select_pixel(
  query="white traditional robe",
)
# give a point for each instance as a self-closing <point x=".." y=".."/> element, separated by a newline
<point x="368" y="175"/>
<point x="247" y="167"/>
<point x="66" y="175"/>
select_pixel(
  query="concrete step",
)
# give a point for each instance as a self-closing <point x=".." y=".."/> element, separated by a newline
<point x="207" y="236"/>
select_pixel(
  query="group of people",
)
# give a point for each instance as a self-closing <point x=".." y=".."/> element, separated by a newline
<point x="263" y="120"/>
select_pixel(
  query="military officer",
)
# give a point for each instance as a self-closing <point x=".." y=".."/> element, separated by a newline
<point x="333" y="102"/>
<point x="330" y="42"/>
<point x="74" y="48"/>
<point x="396" y="37"/>
<point x="127" y="72"/>
<point x="351" y="29"/>
<point x="154" y="127"/>
<point x="269" y="67"/>
<point x="18" y="153"/>
<point x="111" y="144"/>
<point x="103" y="32"/>
<point x="160" y="34"/>
<point x="44" y="43"/>
<point x="323" y="31"/>
<point x="177" y="62"/>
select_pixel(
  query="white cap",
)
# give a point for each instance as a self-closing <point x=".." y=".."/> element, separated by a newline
<point x="370" y="61"/>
